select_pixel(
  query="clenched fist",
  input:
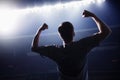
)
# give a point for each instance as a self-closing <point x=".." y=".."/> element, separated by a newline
<point x="44" y="26"/>
<point x="87" y="14"/>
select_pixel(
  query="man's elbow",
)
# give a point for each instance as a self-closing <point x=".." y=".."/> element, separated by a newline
<point x="108" y="32"/>
<point x="33" y="49"/>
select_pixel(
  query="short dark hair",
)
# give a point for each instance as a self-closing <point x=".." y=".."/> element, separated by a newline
<point x="66" y="31"/>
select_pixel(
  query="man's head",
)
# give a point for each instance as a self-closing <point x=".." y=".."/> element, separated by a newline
<point x="66" y="31"/>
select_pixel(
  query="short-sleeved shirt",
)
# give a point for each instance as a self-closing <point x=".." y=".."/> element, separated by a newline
<point x="71" y="59"/>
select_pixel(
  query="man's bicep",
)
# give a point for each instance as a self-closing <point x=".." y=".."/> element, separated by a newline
<point x="48" y="51"/>
<point x="99" y="37"/>
<point x="92" y="41"/>
<point x="41" y="50"/>
<point x="95" y="39"/>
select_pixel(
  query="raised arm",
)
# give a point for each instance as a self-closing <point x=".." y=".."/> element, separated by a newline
<point x="48" y="51"/>
<point x="36" y="38"/>
<point x="104" y="30"/>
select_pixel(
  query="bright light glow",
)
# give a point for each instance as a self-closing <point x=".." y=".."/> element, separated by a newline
<point x="9" y="18"/>
<point x="64" y="5"/>
<point x="100" y="1"/>
<point x="87" y="2"/>
<point x="8" y="21"/>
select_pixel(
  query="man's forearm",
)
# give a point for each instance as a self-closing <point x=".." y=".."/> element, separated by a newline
<point x="36" y="39"/>
<point x="103" y="28"/>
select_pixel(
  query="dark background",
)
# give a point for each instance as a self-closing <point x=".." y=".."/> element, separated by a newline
<point x="17" y="62"/>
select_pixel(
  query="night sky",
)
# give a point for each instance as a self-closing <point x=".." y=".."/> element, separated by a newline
<point x="18" y="62"/>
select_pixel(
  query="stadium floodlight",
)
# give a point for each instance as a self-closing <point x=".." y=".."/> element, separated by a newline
<point x="9" y="18"/>
<point x="8" y="21"/>
<point x="71" y="4"/>
<point x="100" y="1"/>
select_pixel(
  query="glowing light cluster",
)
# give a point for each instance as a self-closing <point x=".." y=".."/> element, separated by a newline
<point x="9" y="18"/>
<point x="64" y="5"/>
<point x="8" y="21"/>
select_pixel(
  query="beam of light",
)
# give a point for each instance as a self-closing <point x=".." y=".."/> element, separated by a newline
<point x="9" y="19"/>
<point x="100" y="1"/>
<point x="67" y="5"/>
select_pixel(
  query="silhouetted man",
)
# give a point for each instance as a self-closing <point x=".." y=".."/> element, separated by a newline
<point x="72" y="55"/>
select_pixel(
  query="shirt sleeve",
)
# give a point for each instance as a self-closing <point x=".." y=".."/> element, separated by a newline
<point x="48" y="51"/>
<point x="91" y="41"/>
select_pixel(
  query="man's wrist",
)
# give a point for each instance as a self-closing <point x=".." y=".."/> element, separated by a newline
<point x="93" y="15"/>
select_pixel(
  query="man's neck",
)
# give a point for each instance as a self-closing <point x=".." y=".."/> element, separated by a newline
<point x="67" y="43"/>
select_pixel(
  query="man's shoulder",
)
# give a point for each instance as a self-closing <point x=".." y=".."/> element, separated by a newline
<point x="88" y="38"/>
<point x="85" y="40"/>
